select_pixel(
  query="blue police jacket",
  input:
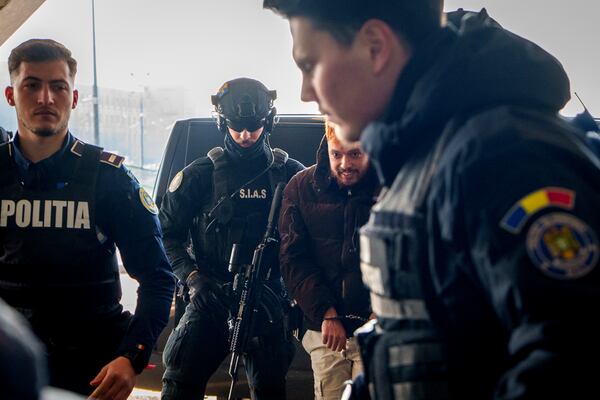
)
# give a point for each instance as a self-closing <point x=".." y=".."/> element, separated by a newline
<point x="121" y="213"/>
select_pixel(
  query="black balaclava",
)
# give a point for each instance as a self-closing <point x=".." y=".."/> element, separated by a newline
<point x="245" y="103"/>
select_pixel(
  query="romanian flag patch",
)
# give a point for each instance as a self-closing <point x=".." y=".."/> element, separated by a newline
<point x="517" y="216"/>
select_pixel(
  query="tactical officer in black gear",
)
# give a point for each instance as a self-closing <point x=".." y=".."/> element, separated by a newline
<point x="218" y="201"/>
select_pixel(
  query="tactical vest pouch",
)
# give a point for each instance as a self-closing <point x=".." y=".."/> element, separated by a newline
<point x="215" y="229"/>
<point x="389" y="256"/>
<point x="403" y="352"/>
<point x="222" y="212"/>
<point x="399" y="370"/>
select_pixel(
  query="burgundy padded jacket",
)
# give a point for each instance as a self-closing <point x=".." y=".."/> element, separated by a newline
<point x="319" y="253"/>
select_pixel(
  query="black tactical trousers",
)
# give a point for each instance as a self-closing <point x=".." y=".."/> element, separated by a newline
<point x="78" y="349"/>
<point x="199" y="344"/>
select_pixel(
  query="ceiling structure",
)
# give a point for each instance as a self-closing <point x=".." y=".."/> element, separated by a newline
<point x="13" y="13"/>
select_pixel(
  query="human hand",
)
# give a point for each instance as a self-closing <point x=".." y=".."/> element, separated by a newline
<point x="205" y="293"/>
<point x="115" y="381"/>
<point x="332" y="331"/>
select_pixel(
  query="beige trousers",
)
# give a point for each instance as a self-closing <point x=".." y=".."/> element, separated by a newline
<point x="331" y="368"/>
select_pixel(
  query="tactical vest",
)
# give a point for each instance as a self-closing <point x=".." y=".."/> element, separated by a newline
<point x="53" y="256"/>
<point x="404" y="357"/>
<point x="215" y="229"/>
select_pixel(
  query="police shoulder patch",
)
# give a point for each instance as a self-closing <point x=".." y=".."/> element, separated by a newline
<point x="147" y="201"/>
<point x="562" y="246"/>
<point x="112" y="159"/>
<point x="176" y="182"/>
<point x="77" y="147"/>
<point x="515" y="219"/>
<point x="106" y="157"/>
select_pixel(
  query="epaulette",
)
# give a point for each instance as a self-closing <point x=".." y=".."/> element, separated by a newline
<point x="106" y="157"/>
<point x="112" y="159"/>
<point x="77" y="148"/>
<point x="280" y="157"/>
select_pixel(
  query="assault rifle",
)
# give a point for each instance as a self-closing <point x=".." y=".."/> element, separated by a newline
<point x="248" y="286"/>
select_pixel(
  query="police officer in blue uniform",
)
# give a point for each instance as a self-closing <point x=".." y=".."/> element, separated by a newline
<point x="482" y="254"/>
<point x="64" y="205"/>
<point x="221" y="200"/>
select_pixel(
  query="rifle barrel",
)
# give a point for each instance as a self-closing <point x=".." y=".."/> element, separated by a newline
<point x="233" y="371"/>
<point x="274" y="211"/>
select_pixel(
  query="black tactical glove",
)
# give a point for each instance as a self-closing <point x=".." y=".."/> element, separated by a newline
<point x="206" y="293"/>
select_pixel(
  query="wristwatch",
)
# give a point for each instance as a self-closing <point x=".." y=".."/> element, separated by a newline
<point x="137" y="358"/>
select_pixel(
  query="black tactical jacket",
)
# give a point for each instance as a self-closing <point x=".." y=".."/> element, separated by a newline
<point x="191" y="197"/>
<point x="491" y="219"/>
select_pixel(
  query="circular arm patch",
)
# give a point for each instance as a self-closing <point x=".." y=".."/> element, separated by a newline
<point x="147" y="202"/>
<point x="176" y="182"/>
<point x="562" y="246"/>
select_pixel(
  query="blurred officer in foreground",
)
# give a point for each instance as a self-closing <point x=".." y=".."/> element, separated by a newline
<point x="323" y="208"/>
<point x="482" y="255"/>
<point x="218" y="201"/>
<point x="23" y="368"/>
<point x="22" y="362"/>
<point x="64" y="205"/>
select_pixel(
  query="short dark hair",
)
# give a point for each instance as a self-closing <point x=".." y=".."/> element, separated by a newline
<point x="39" y="50"/>
<point x="412" y="20"/>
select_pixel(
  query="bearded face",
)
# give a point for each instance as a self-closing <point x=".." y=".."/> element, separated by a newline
<point x="348" y="162"/>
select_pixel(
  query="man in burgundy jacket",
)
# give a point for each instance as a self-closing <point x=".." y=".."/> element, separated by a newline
<point x="323" y="208"/>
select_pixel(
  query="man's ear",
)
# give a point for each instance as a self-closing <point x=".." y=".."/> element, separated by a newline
<point x="75" y="99"/>
<point x="9" y="94"/>
<point x="380" y="40"/>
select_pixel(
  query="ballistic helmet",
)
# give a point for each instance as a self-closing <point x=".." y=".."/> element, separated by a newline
<point x="244" y="103"/>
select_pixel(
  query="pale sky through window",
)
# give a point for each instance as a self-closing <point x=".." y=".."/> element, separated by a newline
<point x="198" y="44"/>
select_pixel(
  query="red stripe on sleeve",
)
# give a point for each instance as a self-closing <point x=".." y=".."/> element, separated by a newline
<point x="564" y="198"/>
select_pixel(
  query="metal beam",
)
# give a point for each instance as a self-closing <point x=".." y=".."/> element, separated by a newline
<point x="95" y="87"/>
<point x="13" y="13"/>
